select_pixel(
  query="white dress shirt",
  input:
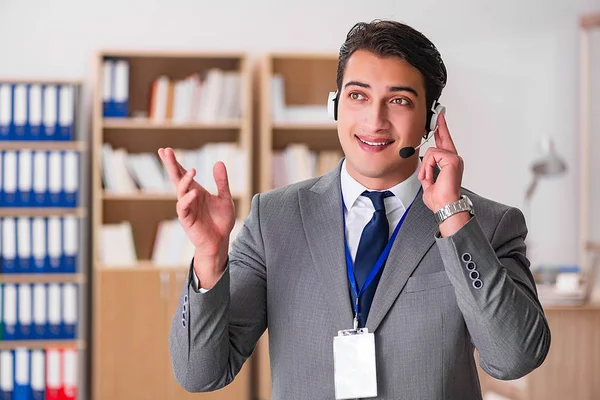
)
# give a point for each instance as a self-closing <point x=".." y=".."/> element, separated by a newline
<point x="359" y="209"/>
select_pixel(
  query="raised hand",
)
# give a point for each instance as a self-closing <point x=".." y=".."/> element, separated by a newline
<point x="206" y="218"/>
<point x="446" y="188"/>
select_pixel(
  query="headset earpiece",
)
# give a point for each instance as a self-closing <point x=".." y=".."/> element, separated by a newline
<point x="332" y="105"/>
<point x="436" y="110"/>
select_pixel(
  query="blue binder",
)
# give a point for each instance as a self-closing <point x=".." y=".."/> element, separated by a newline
<point x="10" y="178"/>
<point x="66" y="112"/>
<point x="70" y="244"/>
<point x="55" y="245"/>
<point x="55" y="323"/>
<point x="38" y="378"/>
<point x="69" y="307"/>
<point x="40" y="311"/>
<point x="55" y="178"/>
<point x="50" y="115"/>
<point x="25" y="312"/>
<point x="35" y="108"/>
<point x="116" y="88"/>
<point x="70" y="179"/>
<point x="25" y="178"/>
<point x="10" y="313"/>
<point x="9" y="245"/>
<point x="8" y="366"/>
<point x="20" y="112"/>
<point x="6" y="113"/>
<point x="40" y="179"/>
<point x="24" y="248"/>
<point x="39" y="245"/>
<point x="22" y="389"/>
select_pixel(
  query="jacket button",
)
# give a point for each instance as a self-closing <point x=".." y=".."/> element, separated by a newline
<point x="477" y="283"/>
<point x="185" y="299"/>
<point x="466" y="257"/>
<point x="474" y="275"/>
<point x="471" y="266"/>
<point x="183" y="322"/>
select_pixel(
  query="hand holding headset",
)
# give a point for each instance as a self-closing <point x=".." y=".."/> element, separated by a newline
<point x="405" y="152"/>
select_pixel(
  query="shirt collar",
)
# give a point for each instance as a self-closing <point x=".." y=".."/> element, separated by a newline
<point x="404" y="191"/>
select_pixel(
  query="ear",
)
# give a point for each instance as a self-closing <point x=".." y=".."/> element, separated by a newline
<point x="332" y="105"/>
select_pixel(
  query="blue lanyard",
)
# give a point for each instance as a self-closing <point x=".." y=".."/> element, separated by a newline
<point x="378" y="265"/>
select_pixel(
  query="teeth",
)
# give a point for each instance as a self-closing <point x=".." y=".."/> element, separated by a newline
<point x="373" y="143"/>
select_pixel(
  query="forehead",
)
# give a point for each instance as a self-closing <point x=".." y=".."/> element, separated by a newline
<point x="367" y="67"/>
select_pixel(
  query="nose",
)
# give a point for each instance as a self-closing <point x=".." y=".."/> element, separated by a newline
<point x="376" y="117"/>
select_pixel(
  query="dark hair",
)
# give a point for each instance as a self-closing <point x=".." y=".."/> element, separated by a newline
<point x="394" y="39"/>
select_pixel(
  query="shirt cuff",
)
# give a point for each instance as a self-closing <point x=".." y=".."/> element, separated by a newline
<point x="196" y="282"/>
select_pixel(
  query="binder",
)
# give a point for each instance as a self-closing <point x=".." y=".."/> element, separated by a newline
<point x="6" y="375"/>
<point x="54" y="312"/>
<point x="121" y="89"/>
<point x="24" y="265"/>
<point x="70" y="179"/>
<point x="10" y="312"/>
<point x="20" y="123"/>
<point x="1" y="311"/>
<point x="69" y="375"/>
<point x="35" y="111"/>
<point x="39" y="245"/>
<point x="107" y="92"/>
<point x="6" y="111"/>
<point x="40" y="312"/>
<point x="9" y="245"/>
<point x="22" y="390"/>
<point x="40" y="179"/>
<point x="1" y="178"/>
<point x="10" y="178"/>
<point x="25" y="310"/>
<point x="54" y="238"/>
<point x="54" y="178"/>
<point x="50" y="120"/>
<point x="25" y="178"/>
<point x="38" y="374"/>
<point x="69" y="314"/>
<point x="66" y="113"/>
<point x="53" y="374"/>
<point x="70" y="244"/>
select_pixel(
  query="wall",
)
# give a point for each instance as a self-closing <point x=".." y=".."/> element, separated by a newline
<point x="513" y="71"/>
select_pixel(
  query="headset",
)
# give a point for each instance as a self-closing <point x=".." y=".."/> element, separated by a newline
<point x="405" y="152"/>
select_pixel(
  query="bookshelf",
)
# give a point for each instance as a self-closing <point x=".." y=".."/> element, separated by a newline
<point x="134" y="300"/>
<point x="44" y="229"/>
<point x="293" y="110"/>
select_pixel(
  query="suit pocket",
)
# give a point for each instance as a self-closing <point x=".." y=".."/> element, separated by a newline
<point x="419" y="283"/>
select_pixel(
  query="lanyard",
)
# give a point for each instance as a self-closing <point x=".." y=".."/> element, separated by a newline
<point x="378" y="265"/>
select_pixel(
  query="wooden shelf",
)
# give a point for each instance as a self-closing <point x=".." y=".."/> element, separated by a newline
<point x="141" y="266"/>
<point x="149" y="197"/>
<point x="307" y="126"/>
<point x="136" y="123"/>
<point x="40" y="344"/>
<point x="43" y="278"/>
<point x="43" y="145"/>
<point x="42" y="212"/>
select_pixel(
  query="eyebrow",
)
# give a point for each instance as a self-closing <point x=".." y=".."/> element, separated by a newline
<point x="391" y="89"/>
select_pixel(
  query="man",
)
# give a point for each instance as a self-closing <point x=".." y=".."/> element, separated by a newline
<point x="447" y="283"/>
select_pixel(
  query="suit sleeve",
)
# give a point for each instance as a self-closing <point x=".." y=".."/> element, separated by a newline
<point x="214" y="332"/>
<point x="503" y="314"/>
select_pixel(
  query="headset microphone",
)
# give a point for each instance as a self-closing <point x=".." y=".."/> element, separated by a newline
<point x="436" y="109"/>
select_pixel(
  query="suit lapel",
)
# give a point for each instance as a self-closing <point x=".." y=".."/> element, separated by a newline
<point x="322" y="219"/>
<point x="414" y="239"/>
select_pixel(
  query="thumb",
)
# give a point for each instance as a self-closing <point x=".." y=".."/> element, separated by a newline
<point x="222" y="181"/>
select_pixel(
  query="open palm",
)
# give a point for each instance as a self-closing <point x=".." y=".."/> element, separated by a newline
<point x="206" y="218"/>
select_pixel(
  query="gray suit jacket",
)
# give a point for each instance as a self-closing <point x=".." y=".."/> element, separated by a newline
<point x="286" y="272"/>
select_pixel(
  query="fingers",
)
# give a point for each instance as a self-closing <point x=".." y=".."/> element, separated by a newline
<point x="175" y="170"/>
<point x="184" y="205"/>
<point x="222" y="181"/>
<point x="433" y="157"/>
<point x="443" y="140"/>
<point x="184" y="184"/>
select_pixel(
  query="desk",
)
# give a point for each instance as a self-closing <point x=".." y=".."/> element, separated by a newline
<point x="571" y="369"/>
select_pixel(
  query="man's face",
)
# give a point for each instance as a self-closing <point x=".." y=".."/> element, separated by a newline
<point x="381" y="109"/>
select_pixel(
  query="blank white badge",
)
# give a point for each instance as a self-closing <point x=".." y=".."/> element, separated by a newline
<point x="354" y="364"/>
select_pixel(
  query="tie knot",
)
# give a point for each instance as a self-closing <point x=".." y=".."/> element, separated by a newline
<point x="377" y="198"/>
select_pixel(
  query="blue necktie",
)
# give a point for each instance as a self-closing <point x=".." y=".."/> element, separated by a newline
<point x="373" y="240"/>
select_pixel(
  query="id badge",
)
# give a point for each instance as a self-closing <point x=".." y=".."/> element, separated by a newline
<point x="354" y="364"/>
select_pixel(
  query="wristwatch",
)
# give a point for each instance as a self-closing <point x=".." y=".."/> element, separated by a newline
<point x="464" y="204"/>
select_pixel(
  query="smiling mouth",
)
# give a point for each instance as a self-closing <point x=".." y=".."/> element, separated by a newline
<point x="375" y="143"/>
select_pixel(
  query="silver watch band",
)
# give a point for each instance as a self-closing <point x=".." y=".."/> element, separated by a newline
<point x="464" y="204"/>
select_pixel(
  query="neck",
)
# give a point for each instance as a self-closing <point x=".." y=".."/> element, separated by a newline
<point x="387" y="181"/>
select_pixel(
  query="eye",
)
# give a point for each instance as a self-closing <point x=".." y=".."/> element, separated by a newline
<point x="401" y="101"/>
<point x="356" y="96"/>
